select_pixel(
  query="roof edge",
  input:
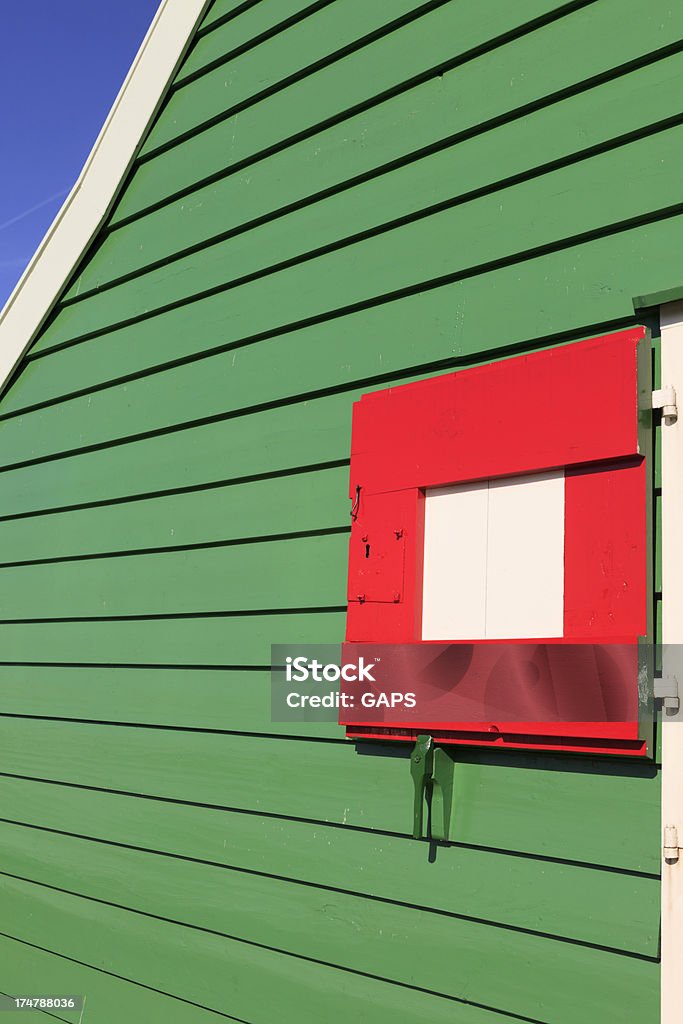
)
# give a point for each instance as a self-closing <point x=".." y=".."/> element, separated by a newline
<point x="99" y="183"/>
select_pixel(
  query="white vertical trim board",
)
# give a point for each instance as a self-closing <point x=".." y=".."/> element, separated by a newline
<point x="494" y="559"/>
<point x="454" y="576"/>
<point x="99" y="183"/>
<point x="672" y="634"/>
<point x="525" y="572"/>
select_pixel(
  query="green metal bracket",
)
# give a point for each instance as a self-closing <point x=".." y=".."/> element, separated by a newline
<point x="432" y="772"/>
<point x="421" y="767"/>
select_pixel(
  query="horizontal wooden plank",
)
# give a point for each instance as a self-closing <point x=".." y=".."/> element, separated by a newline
<point x="226" y="699"/>
<point x="383" y="66"/>
<point x="233" y="978"/>
<point x="37" y="1015"/>
<point x="245" y="981"/>
<point x="303" y="572"/>
<point x="496" y="227"/>
<point x="549" y="293"/>
<point x="108" y="999"/>
<point x="275" y="60"/>
<point x="411" y="54"/>
<point x="499" y="801"/>
<point x="237" y="33"/>
<point x="592" y="117"/>
<point x="341" y="928"/>
<point x="202" y="388"/>
<point x="221" y="640"/>
<point x="604" y="907"/>
<point x="552" y="293"/>
<point x="290" y="504"/>
<point x="274" y="440"/>
<point x="220" y="9"/>
<point x="227" y="90"/>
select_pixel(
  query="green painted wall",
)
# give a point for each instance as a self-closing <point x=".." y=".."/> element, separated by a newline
<point x="335" y="196"/>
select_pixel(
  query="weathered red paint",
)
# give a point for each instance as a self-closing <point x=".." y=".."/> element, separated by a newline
<point x="563" y="406"/>
<point x="574" y="407"/>
<point x="605" y="563"/>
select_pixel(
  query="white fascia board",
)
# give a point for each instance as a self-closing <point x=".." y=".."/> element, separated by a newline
<point x="671" y="320"/>
<point x="100" y="181"/>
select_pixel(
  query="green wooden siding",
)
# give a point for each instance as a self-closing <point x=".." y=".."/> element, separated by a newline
<point x="335" y="196"/>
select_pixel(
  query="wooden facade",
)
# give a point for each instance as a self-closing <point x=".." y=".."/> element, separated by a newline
<point x="334" y="197"/>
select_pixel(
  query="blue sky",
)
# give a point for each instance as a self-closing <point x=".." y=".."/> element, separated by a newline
<point x="62" y="64"/>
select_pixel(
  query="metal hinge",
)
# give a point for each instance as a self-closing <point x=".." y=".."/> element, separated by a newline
<point x="666" y="690"/>
<point x="432" y="772"/>
<point x="665" y="399"/>
<point x="671" y="848"/>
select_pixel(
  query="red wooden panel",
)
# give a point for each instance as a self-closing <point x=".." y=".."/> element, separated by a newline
<point x="555" y="408"/>
<point x="622" y="741"/>
<point x="605" y="550"/>
<point x="385" y="567"/>
<point x="574" y="407"/>
<point x="547" y="694"/>
<point x="504" y="683"/>
<point x="377" y="557"/>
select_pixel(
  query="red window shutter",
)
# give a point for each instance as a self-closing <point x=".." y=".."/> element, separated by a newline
<point x="582" y="408"/>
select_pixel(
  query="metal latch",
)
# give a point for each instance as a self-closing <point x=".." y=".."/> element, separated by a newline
<point x="432" y="772"/>
<point x="666" y="690"/>
<point x="671" y="848"/>
<point x="665" y="399"/>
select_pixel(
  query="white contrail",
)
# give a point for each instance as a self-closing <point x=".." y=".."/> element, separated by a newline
<point x="32" y="209"/>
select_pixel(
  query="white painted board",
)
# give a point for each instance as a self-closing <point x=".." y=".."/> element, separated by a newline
<point x="494" y="559"/>
<point x="454" y="580"/>
<point x="525" y="564"/>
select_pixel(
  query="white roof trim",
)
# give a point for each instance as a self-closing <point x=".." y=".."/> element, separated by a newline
<point x="99" y="183"/>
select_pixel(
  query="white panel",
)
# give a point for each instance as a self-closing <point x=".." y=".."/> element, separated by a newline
<point x="672" y="638"/>
<point x="494" y="559"/>
<point x="525" y="577"/>
<point x="454" y="582"/>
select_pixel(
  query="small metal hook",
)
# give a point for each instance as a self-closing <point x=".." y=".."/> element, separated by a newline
<point x="356" y="503"/>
